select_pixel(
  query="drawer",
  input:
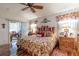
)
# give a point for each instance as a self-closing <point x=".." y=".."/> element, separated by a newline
<point x="66" y="44"/>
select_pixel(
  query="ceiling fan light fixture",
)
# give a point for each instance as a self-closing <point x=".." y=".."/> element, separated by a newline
<point x="31" y="6"/>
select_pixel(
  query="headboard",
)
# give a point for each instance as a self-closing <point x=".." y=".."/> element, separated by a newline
<point x="45" y="31"/>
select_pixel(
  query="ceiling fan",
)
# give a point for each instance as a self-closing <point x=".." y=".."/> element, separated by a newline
<point x="31" y="6"/>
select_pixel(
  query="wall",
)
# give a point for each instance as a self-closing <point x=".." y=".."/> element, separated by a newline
<point x="52" y="23"/>
<point x="4" y="38"/>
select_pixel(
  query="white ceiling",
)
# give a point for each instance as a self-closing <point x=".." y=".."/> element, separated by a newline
<point x="13" y="11"/>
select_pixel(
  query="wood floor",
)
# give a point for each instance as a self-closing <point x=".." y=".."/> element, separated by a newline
<point x="5" y="50"/>
<point x="8" y="50"/>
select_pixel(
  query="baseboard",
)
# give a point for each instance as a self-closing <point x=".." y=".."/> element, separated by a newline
<point x="4" y="45"/>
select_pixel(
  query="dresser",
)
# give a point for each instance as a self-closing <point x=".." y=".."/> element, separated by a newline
<point x="68" y="45"/>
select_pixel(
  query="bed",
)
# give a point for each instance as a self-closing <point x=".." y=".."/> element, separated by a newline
<point x="37" y="46"/>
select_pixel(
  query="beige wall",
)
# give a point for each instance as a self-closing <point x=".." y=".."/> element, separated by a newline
<point x="4" y="39"/>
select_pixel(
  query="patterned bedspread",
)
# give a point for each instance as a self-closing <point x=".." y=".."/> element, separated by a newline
<point x="39" y="46"/>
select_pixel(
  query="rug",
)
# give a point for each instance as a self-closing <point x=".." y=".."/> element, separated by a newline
<point x="58" y="52"/>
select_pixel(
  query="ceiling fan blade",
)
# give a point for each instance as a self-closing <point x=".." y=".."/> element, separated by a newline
<point x="25" y="8"/>
<point x="30" y="4"/>
<point x="32" y="10"/>
<point x="38" y="7"/>
<point x="23" y="4"/>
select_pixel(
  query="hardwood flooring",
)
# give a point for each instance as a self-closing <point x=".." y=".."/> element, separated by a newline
<point x="4" y="50"/>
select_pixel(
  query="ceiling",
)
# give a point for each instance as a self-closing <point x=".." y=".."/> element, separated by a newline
<point x="12" y="11"/>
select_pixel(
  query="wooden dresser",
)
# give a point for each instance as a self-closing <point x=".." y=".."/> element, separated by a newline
<point x="67" y="45"/>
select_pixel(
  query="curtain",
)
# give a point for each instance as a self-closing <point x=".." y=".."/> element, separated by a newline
<point x="15" y="26"/>
<point x="70" y="21"/>
<point x="73" y="15"/>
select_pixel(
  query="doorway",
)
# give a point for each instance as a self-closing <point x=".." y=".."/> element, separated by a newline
<point x="15" y="35"/>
